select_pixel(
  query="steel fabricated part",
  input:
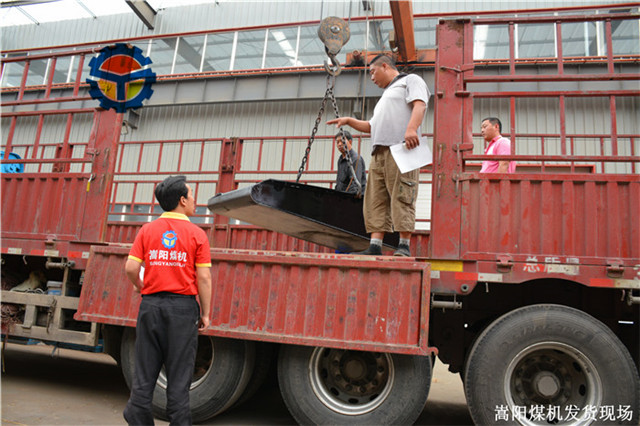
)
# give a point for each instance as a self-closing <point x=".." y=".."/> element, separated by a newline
<point x="319" y="215"/>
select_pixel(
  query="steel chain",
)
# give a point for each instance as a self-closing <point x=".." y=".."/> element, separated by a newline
<point x="328" y="94"/>
<point x="305" y="158"/>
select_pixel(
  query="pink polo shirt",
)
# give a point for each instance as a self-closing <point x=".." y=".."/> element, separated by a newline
<point x="498" y="146"/>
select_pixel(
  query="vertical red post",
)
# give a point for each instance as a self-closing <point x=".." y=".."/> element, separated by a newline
<point x="23" y="82"/>
<point x="633" y="165"/>
<point x="12" y="130"/>
<point x="64" y="150"/>
<point x="512" y="49"/>
<point x="512" y="123"/>
<point x="559" y="48"/>
<point x="230" y="160"/>
<point x="452" y="126"/>
<point x="609" y="41"/>
<point x="261" y="146"/>
<point x="50" y="75"/>
<point x="614" y="125"/>
<point x="563" y="125"/>
<point x="76" y="84"/>
<point x="103" y="146"/>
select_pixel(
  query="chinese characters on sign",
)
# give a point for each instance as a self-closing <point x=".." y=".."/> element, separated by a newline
<point x="554" y="413"/>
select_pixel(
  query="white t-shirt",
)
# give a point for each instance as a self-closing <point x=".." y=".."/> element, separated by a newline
<point x="393" y="111"/>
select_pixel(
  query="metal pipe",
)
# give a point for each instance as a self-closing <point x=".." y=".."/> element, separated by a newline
<point x="59" y="265"/>
<point x="444" y="304"/>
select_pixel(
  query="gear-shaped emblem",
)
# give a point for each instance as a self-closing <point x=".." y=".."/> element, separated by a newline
<point x="120" y="77"/>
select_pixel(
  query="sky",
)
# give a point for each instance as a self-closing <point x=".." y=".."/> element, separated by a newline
<point x="74" y="9"/>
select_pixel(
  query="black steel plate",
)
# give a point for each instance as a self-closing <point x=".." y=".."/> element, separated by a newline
<point x="311" y="213"/>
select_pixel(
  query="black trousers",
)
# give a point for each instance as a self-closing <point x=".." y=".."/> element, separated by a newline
<point x="166" y="334"/>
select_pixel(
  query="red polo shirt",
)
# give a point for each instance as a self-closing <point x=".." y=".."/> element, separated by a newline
<point x="171" y="248"/>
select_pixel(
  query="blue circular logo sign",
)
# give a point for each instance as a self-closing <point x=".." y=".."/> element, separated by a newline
<point x="120" y="77"/>
<point x="169" y="239"/>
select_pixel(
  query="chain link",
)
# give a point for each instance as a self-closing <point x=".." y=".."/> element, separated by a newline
<point x="328" y="94"/>
<point x="305" y="158"/>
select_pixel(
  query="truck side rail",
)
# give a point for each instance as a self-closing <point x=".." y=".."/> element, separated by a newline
<point x="550" y="220"/>
<point x="297" y="298"/>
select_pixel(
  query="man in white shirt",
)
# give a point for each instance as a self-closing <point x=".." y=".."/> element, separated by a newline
<point x="390" y="196"/>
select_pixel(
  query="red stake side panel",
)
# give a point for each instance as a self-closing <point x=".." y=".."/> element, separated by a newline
<point x="26" y="217"/>
<point x="340" y="301"/>
<point x="589" y="219"/>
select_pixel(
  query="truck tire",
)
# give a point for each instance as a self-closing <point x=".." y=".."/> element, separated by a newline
<point x="336" y="386"/>
<point x="222" y="371"/>
<point x="264" y="357"/>
<point x="111" y="341"/>
<point x="534" y="365"/>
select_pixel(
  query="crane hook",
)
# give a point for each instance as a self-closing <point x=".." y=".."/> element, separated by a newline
<point x="334" y="69"/>
<point x="334" y="33"/>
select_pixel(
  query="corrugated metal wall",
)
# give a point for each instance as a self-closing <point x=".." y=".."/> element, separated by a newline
<point x="227" y="14"/>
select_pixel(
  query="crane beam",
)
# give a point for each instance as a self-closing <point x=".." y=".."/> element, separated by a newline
<point x="402" y="16"/>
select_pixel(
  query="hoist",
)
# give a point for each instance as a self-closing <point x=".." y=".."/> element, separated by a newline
<point x="334" y="33"/>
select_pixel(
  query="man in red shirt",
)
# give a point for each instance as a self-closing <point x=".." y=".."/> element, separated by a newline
<point x="177" y="260"/>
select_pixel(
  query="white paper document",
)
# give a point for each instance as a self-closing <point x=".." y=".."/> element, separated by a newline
<point x="411" y="159"/>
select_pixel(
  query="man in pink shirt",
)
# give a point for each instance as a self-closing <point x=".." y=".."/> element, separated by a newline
<point x="498" y="145"/>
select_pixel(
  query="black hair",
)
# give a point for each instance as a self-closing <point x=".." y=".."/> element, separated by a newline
<point x="382" y="58"/>
<point x="494" y="121"/>
<point x="169" y="191"/>
<point x="346" y="135"/>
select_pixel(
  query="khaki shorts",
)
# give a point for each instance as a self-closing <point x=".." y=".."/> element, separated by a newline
<point x="390" y="196"/>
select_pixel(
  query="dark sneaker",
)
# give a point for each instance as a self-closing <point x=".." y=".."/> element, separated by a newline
<point x="402" y="250"/>
<point x="372" y="250"/>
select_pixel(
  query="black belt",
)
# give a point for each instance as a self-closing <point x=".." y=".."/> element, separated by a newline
<point x="378" y="149"/>
<point x="169" y="294"/>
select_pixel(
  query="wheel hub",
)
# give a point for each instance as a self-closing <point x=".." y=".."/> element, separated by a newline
<point x="546" y="384"/>
<point x="543" y="378"/>
<point x="355" y="369"/>
<point x="551" y="374"/>
<point x="351" y="382"/>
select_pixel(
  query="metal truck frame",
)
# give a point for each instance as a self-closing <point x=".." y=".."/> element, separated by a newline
<point x="527" y="284"/>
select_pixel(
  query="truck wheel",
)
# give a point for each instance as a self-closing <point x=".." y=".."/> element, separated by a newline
<point x="550" y="364"/>
<point x="335" y="386"/>
<point x="264" y="356"/>
<point x="222" y="371"/>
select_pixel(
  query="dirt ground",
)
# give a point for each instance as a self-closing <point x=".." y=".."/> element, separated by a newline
<point x="67" y="387"/>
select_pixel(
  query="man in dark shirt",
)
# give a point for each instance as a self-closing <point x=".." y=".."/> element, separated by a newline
<point x="344" y="180"/>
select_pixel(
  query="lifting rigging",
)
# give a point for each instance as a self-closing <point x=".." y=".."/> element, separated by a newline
<point x="334" y="33"/>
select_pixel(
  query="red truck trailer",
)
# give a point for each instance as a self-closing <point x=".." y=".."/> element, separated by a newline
<point x="527" y="284"/>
